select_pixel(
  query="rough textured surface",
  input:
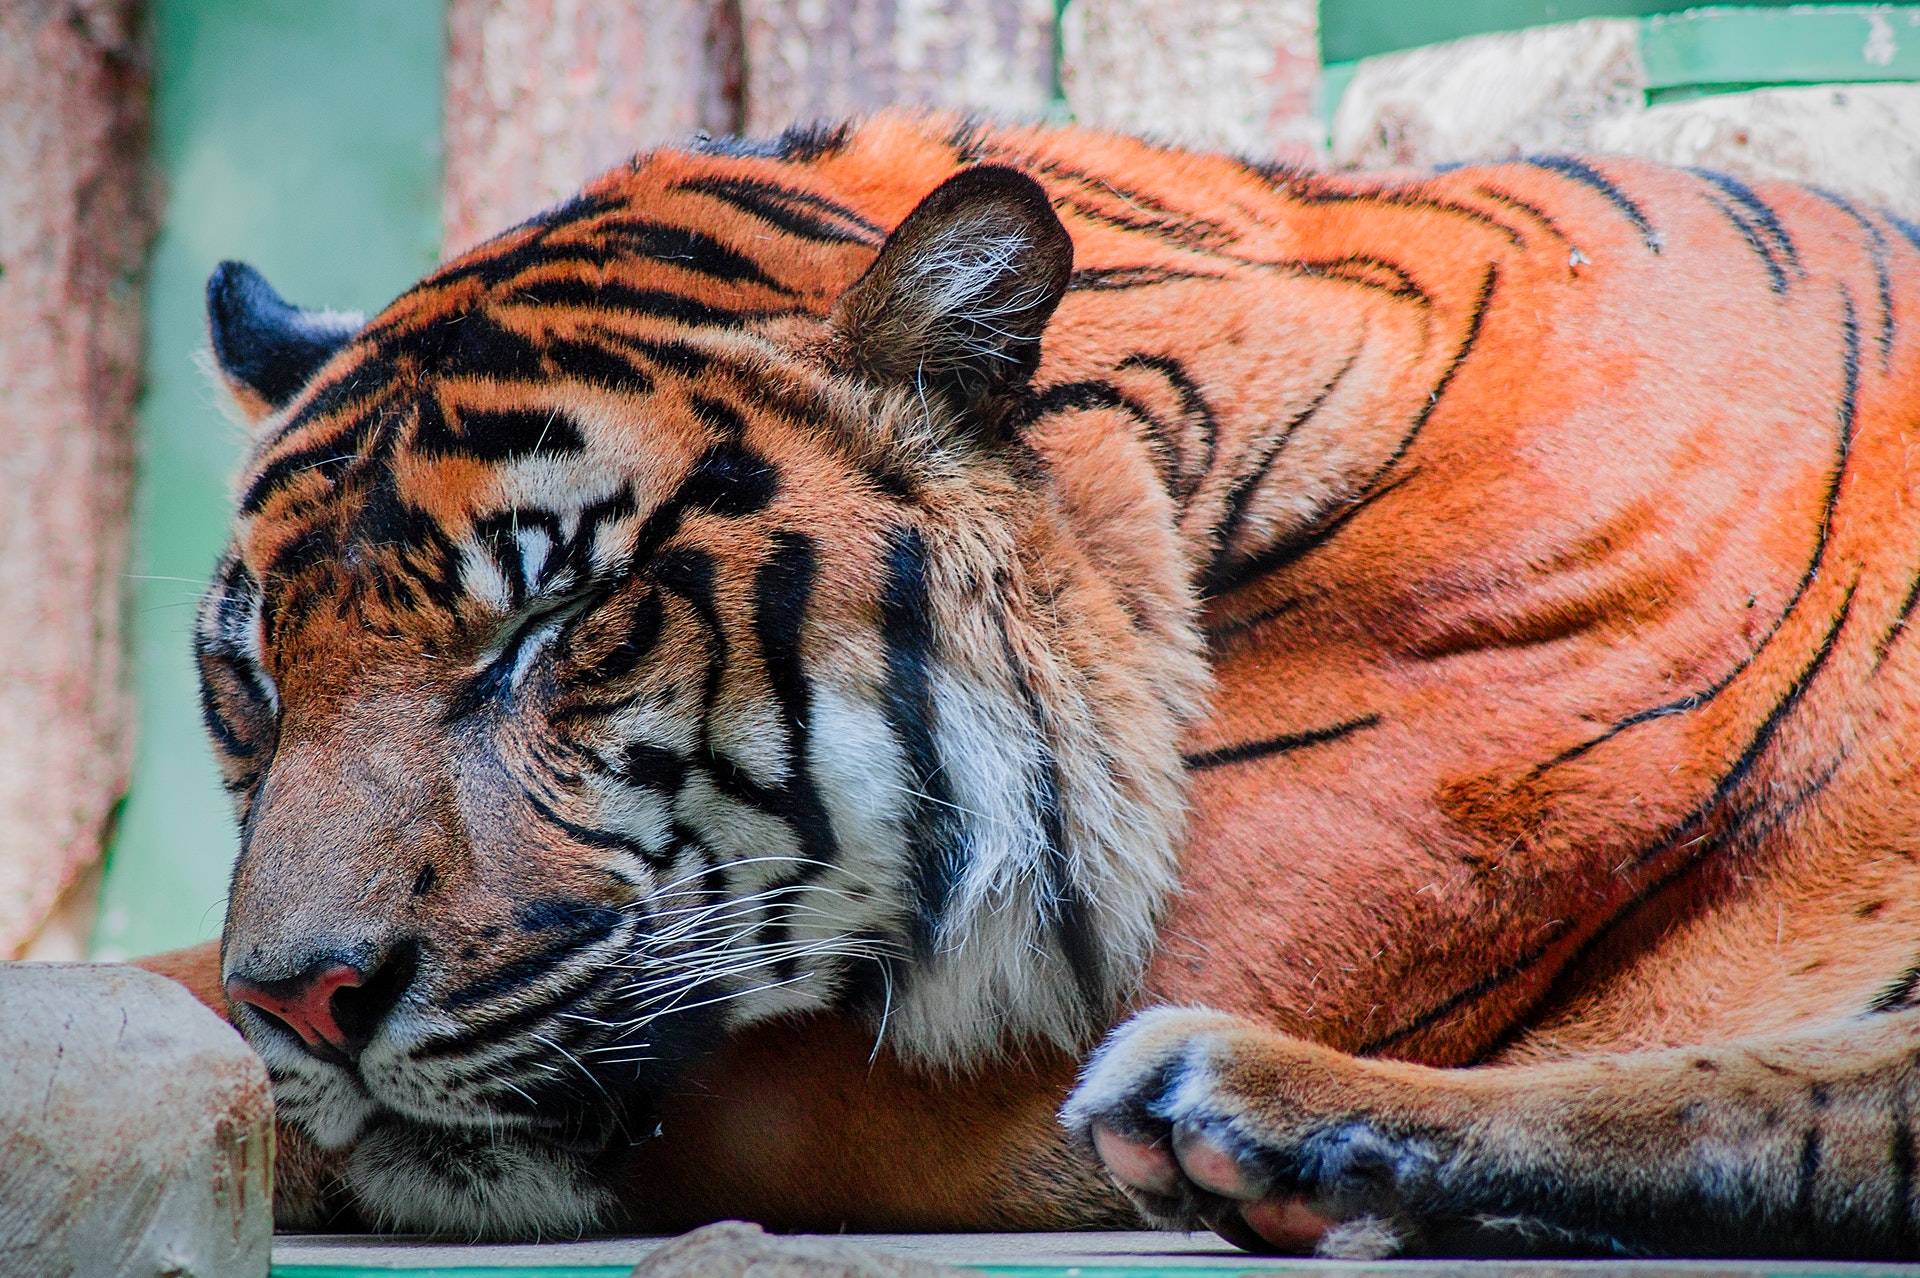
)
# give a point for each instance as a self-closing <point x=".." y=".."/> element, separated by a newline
<point x="1489" y="97"/>
<point x="542" y="94"/>
<point x="1581" y="87"/>
<point x="1236" y="76"/>
<point x="136" y="1129"/>
<point x="1860" y="139"/>
<point x="832" y="58"/>
<point x="731" y="1249"/>
<point x="73" y="231"/>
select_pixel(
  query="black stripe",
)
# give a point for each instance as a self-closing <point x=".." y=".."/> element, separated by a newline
<point x="1533" y="211"/>
<point x="1843" y="450"/>
<point x="1184" y="478"/>
<point x="1065" y="906"/>
<point x="1758" y="224"/>
<point x="1138" y="212"/>
<point x="585" y="927"/>
<point x="1899" y="992"/>
<point x="1882" y="270"/>
<point x="592" y="838"/>
<point x="1100" y="279"/>
<point x="798" y="213"/>
<point x="1291" y="550"/>
<point x="1908" y="230"/>
<point x="1297" y="547"/>
<point x="609" y="295"/>
<point x="1899" y="623"/>
<point x="937" y="838"/>
<point x="1234" y="512"/>
<point x="330" y="459"/>
<point x="1682" y="833"/>
<point x="797" y="144"/>
<point x="782" y="594"/>
<point x="1276" y="745"/>
<point x="1065" y="397"/>
<point x="1319" y="189"/>
<point x="1810" y="1159"/>
<point x="1901" y="1155"/>
<point x="497" y="436"/>
<point x="690" y="250"/>
<point x="1588" y="176"/>
<point x="598" y="364"/>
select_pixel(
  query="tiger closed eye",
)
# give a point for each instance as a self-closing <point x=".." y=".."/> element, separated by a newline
<point x="607" y="643"/>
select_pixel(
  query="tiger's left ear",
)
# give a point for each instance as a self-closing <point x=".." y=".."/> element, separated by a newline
<point x="267" y="347"/>
<point x="957" y="300"/>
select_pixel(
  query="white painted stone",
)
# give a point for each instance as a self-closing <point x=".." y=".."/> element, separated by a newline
<point x="732" y="1249"/>
<point x="1237" y="75"/>
<point x="1489" y="97"/>
<point x="136" y="1130"/>
<point x="1862" y="140"/>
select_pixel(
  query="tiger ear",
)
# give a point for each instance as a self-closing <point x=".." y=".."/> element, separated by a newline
<point x="957" y="300"/>
<point x="268" y="348"/>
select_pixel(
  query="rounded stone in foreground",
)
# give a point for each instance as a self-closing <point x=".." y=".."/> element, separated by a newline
<point x="732" y="1249"/>
<point x="136" y="1129"/>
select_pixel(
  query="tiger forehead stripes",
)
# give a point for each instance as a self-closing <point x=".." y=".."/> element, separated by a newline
<point x="786" y="579"/>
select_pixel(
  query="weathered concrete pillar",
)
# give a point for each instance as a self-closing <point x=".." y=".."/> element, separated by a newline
<point x="74" y="225"/>
<point x="827" y="59"/>
<point x="543" y="94"/>
<point x="1240" y="75"/>
<point x="136" y="1129"/>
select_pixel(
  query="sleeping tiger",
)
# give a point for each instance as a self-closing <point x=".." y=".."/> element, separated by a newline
<point x="732" y="686"/>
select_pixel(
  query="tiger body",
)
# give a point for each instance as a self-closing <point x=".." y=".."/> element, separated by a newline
<point x="1450" y="617"/>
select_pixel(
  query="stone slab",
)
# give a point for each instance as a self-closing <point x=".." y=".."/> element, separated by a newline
<point x="1582" y="87"/>
<point x="1062" y="1255"/>
<point x="136" y="1130"/>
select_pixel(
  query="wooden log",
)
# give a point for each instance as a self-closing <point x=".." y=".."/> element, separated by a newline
<point x="1237" y="76"/>
<point x="74" y="226"/>
<point x="543" y="94"/>
<point x="829" y="59"/>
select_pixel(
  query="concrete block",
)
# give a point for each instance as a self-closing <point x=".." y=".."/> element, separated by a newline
<point x="1238" y="76"/>
<point x="1862" y="140"/>
<point x="731" y="1249"/>
<point x="136" y="1130"/>
<point x="1490" y="97"/>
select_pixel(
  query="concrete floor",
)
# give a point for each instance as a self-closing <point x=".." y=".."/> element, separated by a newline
<point x="1115" y="1255"/>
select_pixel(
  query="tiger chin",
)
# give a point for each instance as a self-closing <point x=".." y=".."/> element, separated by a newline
<point x="597" y="670"/>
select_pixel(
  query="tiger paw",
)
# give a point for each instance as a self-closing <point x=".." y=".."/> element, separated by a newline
<point x="1207" y="1120"/>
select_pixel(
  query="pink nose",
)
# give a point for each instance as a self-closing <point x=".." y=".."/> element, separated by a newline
<point x="305" y="1003"/>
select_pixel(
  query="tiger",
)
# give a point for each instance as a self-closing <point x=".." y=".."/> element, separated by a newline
<point x="731" y="687"/>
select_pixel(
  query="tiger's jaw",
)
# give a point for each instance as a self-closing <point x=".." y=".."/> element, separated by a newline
<point x="507" y="1135"/>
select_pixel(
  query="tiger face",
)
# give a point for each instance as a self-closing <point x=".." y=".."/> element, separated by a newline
<point x="631" y="635"/>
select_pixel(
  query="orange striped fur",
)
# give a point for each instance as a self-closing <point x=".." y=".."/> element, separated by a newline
<point x="1457" y="618"/>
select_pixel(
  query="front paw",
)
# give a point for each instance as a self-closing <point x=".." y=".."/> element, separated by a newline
<point x="1206" y="1119"/>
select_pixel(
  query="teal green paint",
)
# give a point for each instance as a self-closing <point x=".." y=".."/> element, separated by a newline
<point x="303" y="136"/>
<point x="1737" y="47"/>
<point x="1225" y="1267"/>
<point x="1352" y="29"/>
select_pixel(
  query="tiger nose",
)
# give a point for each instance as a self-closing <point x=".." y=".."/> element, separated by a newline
<point x="334" y="1006"/>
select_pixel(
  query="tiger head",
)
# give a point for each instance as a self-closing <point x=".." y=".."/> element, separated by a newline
<point x="626" y="637"/>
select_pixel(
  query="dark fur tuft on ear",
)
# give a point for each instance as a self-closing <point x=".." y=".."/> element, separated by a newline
<point x="268" y="348"/>
<point x="957" y="300"/>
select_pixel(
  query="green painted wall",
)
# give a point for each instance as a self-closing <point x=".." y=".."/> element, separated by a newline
<point x="302" y="136"/>
<point x="1361" y="28"/>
